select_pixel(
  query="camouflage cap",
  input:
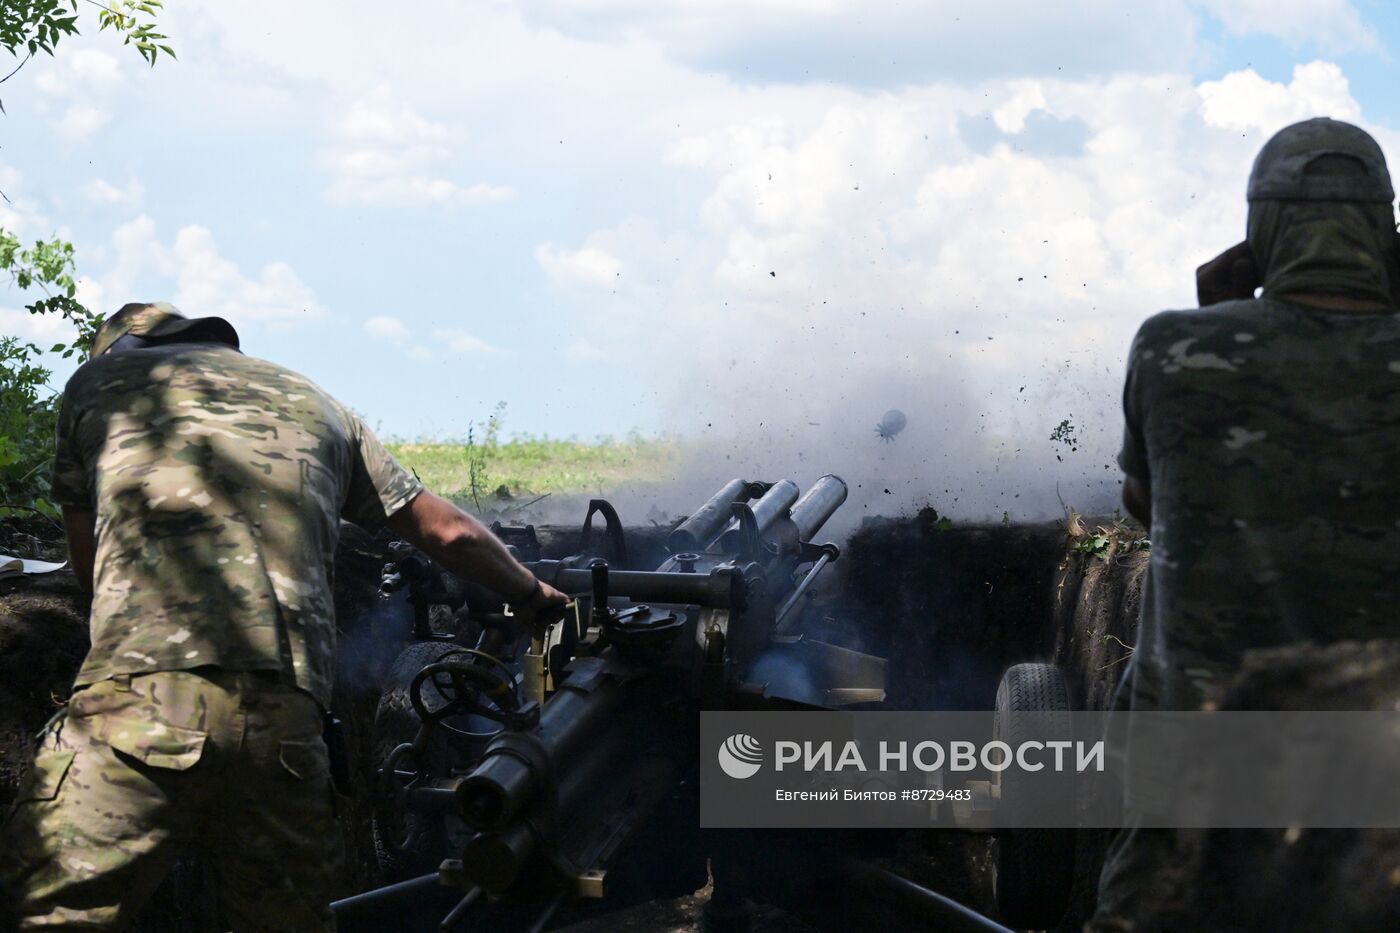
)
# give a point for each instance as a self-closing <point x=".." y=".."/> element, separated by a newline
<point x="159" y="321"/>
<point x="1281" y="169"/>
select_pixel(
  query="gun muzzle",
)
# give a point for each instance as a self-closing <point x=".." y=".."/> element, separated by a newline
<point x="516" y="766"/>
<point x="773" y="505"/>
<point x="820" y="503"/>
<point x="701" y="528"/>
<point x="493" y="860"/>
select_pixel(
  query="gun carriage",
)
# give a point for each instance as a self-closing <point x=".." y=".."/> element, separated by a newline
<point x="537" y="779"/>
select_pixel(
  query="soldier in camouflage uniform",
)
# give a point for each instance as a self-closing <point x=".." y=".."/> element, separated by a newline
<point x="202" y="491"/>
<point x="1261" y="448"/>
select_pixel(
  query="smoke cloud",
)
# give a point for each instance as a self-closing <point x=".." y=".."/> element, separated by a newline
<point x="977" y="257"/>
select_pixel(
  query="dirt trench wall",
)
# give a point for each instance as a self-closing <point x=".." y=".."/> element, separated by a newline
<point x="43" y="639"/>
<point x="953" y="606"/>
<point x="1097" y="603"/>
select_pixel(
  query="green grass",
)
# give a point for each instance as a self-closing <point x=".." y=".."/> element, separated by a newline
<point x="535" y="466"/>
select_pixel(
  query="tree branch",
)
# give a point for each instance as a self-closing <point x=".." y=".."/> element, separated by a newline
<point x="7" y="77"/>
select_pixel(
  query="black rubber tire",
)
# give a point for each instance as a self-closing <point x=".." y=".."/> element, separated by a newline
<point x="1033" y="869"/>
<point x="396" y="722"/>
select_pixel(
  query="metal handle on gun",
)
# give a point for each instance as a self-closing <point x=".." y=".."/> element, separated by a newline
<point x="617" y="542"/>
<point x="829" y="552"/>
<point x="750" y="544"/>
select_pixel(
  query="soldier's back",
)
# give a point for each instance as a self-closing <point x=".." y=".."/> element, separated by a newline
<point x="218" y="480"/>
<point x="1272" y="434"/>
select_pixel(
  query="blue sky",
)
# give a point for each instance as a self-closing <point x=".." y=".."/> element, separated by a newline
<point x="761" y="222"/>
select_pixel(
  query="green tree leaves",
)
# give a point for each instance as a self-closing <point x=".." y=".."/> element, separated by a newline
<point x="28" y="406"/>
<point x="28" y="420"/>
<point x="48" y="265"/>
<point x="123" y="16"/>
<point x="34" y="26"/>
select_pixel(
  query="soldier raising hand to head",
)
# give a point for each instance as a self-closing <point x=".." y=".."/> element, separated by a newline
<point x="1262" y="446"/>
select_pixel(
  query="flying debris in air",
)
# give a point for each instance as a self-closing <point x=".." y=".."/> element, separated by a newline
<point x="890" y="425"/>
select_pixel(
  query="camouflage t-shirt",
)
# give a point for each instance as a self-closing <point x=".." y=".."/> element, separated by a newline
<point x="1270" y="435"/>
<point x="218" y="481"/>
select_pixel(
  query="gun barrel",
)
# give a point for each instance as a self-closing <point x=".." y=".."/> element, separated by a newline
<point x="821" y="502"/>
<point x="515" y="767"/>
<point x="718" y="589"/>
<point x="495" y="857"/>
<point x="700" y="529"/>
<point x="493" y="860"/>
<point x="773" y="505"/>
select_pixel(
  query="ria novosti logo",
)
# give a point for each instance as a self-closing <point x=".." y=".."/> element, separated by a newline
<point x="740" y="756"/>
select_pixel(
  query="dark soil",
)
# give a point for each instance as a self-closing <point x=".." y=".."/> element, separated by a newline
<point x="43" y="638"/>
<point x="1097" y="603"/>
<point x="681" y="915"/>
<point x="950" y="606"/>
<point x="953" y="606"/>
<point x="1096" y="606"/>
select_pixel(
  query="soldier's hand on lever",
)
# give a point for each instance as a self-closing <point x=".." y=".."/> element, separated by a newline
<point x="544" y="605"/>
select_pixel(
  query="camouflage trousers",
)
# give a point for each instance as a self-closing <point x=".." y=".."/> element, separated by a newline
<point x="142" y="767"/>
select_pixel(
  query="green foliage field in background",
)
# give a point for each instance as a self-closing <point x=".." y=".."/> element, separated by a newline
<point x="533" y="466"/>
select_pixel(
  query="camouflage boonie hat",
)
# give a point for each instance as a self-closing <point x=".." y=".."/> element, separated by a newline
<point x="1280" y="170"/>
<point x="159" y="321"/>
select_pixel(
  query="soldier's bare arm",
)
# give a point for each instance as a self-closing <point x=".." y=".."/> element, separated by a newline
<point x="468" y="548"/>
<point x="81" y="527"/>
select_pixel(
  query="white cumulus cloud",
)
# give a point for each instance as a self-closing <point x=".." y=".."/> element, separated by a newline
<point x="79" y="72"/>
<point x="1244" y="100"/>
<point x="86" y="81"/>
<point x="208" y="283"/>
<point x="102" y="191"/>
<point x="80" y="123"/>
<point x="864" y="44"/>
<point x="199" y="279"/>
<point x="387" y="155"/>
<point x="381" y="327"/>
<point x="1026" y="98"/>
<point x="1334" y="25"/>
<point x="461" y="343"/>
<point x="588" y="265"/>
<point x="20" y="213"/>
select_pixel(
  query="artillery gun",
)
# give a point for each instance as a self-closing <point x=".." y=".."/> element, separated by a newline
<point x="568" y="773"/>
